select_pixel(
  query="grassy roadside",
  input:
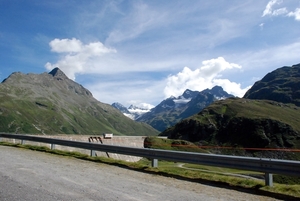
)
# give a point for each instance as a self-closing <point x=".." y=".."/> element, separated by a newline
<point x="193" y="173"/>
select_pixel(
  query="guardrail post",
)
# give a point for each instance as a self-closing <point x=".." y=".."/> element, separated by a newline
<point x="154" y="162"/>
<point x="264" y="165"/>
<point x="22" y="142"/>
<point x="268" y="179"/>
<point x="93" y="153"/>
<point x="52" y="146"/>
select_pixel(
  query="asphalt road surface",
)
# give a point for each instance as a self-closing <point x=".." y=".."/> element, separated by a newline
<point x="31" y="175"/>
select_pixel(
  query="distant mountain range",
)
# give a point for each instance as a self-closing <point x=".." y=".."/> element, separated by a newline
<point x="51" y="103"/>
<point x="171" y="110"/>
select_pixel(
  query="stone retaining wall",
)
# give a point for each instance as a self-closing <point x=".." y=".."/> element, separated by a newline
<point x="127" y="141"/>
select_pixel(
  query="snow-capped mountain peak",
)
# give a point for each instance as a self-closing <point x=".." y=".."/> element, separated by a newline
<point x="133" y="112"/>
<point x="136" y="109"/>
<point x="173" y="109"/>
<point x="120" y="107"/>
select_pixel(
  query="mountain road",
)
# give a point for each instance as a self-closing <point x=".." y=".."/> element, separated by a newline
<point x="31" y="175"/>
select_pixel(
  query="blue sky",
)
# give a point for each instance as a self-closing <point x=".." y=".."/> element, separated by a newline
<point x="141" y="52"/>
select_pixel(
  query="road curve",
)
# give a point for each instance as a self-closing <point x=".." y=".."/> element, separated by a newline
<point x="30" y="175"/>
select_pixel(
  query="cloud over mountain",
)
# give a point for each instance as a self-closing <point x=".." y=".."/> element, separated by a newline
<point x="76" y="57"/>
<point x="206" y="76"/>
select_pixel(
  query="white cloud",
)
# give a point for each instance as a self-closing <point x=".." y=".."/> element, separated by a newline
<point x="207" y="76"/>
<point x="65" y="45"/>
<point x="211" y="68"/>
<point x="268" y="9"/>
<point x="145" y="106"/>
<point x="76" y="56"/>
<point x="261" y="25"/>
<point x="231" y="87"/>
<point x="280" y="11"/>
<point x="295" y="14"/>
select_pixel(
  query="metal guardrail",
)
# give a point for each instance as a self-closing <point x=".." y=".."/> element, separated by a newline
<point x="267" y="166"/>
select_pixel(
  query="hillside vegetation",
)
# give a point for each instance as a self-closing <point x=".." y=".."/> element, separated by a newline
<point x="243" y="123"/>
<point x="50" y="103"/>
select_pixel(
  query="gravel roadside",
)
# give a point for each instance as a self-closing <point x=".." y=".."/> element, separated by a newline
<point x="30" y="175"/>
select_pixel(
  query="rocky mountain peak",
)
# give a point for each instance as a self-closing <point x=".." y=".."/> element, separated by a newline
<point x="120" y="107"/>
<point x="217" y="88"/>
<point x="56" y="72"/>
<point x="174" y="109"/>
<point x="281" y="85"/>
<point x="50" y="103"/>
<point x="132" y="107"/>
<point x="189" y="94"/>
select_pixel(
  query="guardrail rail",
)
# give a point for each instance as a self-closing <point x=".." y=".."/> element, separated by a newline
<point x="265" y="165"/>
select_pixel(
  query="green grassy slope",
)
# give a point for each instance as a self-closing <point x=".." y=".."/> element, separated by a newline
<point x="54" y="104"/>
<point x="281" y="85"/>
<point x="243" y="123"/>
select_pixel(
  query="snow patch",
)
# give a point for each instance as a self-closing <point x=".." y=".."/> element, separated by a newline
<point x="182" y="100"/>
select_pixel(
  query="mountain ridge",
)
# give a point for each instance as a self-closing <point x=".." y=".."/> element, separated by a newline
<point x="51" y="103"/>
<point x="280" y="85"/>
<point x="174" y="109"/>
